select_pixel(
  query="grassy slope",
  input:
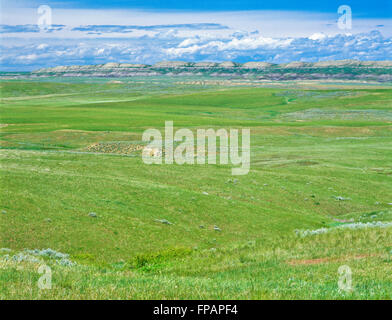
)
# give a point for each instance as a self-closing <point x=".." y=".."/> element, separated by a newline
<point x="297" y="169"/>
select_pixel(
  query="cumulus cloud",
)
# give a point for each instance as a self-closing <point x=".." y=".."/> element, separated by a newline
<point x="241" y="43"/>
<point x="26" y="59"/>
<point x="317" y="47"/>
<point x="42" y="46"/>
<point x="317" y="36"/>
<point x="169" y="44"/>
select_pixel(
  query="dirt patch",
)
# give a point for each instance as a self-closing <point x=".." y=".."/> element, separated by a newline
<point x="343" y="220"/>
<point x="328" y="260"/>
<point x="306" y="163"/>
<point x="387" y="171"/>
<point x="338" y="131"/>
<point x="286" y="163"/>
<point x="72" y="130"/>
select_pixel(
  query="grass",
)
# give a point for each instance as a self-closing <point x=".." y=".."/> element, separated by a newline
<point x="310" y="148"/>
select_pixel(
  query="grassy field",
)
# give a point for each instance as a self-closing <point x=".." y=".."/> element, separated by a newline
<point x="318" y="195"/>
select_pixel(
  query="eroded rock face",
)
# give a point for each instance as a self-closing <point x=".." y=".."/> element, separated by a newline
<point x="93" y="68"/>
<point x="256" y="65"/>
<point x="205" y="64"/>
<point x="296" y="64"/>
<point x="228" y="64"/>
<point x="380" y="64"/>
<point x="337" y="63"/>
<point x="171" y="64"/>
<point x="297" y="70"/>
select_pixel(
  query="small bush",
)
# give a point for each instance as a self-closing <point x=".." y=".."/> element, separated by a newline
<point x="159" y="257"/>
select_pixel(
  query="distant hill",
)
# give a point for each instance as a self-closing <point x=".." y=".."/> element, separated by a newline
<point x="339" y="69"/>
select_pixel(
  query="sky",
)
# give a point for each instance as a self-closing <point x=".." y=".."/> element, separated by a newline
<point x="37" y="34"/>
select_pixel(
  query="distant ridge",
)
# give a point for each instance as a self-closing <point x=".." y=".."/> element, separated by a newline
<point x="225" y="64"/>
<point x="339" y="69"/>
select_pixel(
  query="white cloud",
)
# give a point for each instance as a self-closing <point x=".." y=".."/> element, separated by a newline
<point x="42" y="46"/>
<point x="188" y="42"/>
<point x="100" y="51"/>
<point x="245" y="42"/>
<point x="317" y="36"/>
<point x="28" y="58"/>
<point x="238" y="46"/>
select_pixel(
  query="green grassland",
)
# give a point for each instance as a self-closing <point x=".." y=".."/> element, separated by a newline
<point x="321" y="158"/>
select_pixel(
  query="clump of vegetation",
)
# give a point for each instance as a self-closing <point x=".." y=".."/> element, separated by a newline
<point x="59" y="257"/>
<point x="114" y="147"/>
<point x="155" y="258"/>
<point x="353" y="226"/>
<point x="164" y="221"/>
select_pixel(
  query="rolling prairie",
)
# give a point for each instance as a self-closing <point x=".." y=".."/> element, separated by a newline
<point x="318" y="195"/>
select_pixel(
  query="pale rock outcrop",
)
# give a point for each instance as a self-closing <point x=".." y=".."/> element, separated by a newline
<point x="256" y="65"/>
<point x="227" y="64"/>
<point x="171" y="64"/>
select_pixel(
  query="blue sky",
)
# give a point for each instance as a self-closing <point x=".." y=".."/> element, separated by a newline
<point x="374" y="8"/>
<point x="136" y="31"/>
